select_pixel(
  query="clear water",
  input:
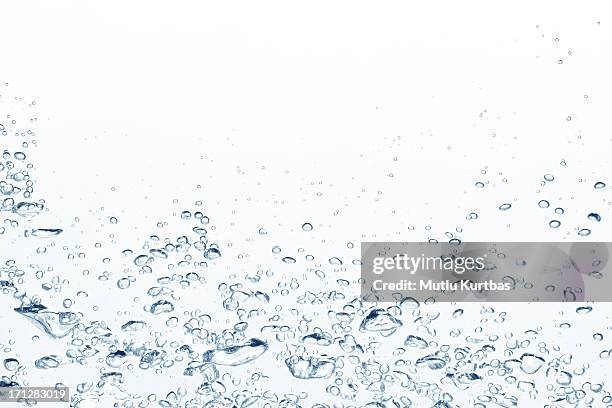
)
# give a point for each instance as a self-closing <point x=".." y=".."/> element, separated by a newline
<point x="175" y="320"/>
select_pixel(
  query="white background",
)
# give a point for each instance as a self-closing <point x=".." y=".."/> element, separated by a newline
<point x="155" y="98"/>
<point x="287" y="112"/>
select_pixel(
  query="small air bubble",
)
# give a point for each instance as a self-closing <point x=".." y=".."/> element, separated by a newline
<point x="584" y="309"/>
<point x="594" y="217"/>
<point x="599" y="185"/>
<point x="335" y="261"/>
<point x="543" y="204"/>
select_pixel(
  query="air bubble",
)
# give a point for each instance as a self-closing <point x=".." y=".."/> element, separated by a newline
<point x="599" y="185"/>
<point x="594" y="217"/>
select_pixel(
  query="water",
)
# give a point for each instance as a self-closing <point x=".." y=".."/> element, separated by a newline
<point x="55" y="324"/>
<point x="306" y="368"/>
<point x="379" y="320"/>
<point x="237" y="355"/>
<point x="183" y="313"/>
<point x="46" y="232"/>
<point x="416" y="341"/>
<point x="162" y="306"/>
<point x="48" y="362"/>
<point x="531" y="364"/>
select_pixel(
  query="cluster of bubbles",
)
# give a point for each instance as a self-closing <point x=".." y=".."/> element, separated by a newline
<point x="559" y="211"/>
<point x="555" y="222"/>
<point x="17" y="139"/>
<point x="180" y="320"/>
<point x="293" y="333"/>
